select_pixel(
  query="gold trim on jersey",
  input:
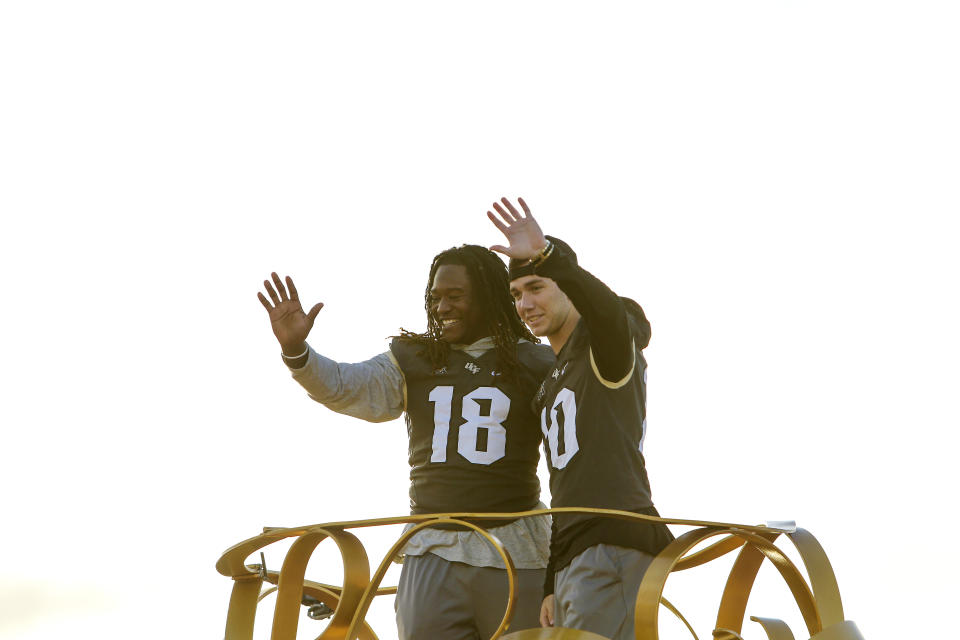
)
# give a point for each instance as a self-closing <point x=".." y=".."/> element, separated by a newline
<point x="622" y="381"/>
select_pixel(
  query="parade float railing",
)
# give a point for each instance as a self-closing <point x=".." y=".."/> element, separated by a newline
<point x="818" y="599"/>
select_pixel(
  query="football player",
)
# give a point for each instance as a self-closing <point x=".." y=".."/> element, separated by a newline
<point x="465" y="387"/>
<point x="593" y="420"/>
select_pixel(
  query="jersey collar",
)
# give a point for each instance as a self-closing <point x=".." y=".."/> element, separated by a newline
<point x="476" y="349"/>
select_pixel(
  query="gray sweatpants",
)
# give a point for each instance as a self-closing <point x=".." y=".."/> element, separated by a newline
<point x="437" y="598"/>
<point x="597" y="591"/>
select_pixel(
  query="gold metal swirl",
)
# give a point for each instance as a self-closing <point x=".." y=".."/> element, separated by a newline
<point x="776" y="629"/>
<point x="819" y="600"/>
<point x="326" y="594"/>
<point x="845" y="630"/>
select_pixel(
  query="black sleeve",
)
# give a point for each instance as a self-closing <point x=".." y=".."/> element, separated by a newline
<point x="603" y="311"/>
<point x="551" y="563"/>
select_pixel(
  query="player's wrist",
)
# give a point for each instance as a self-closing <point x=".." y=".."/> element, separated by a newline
<point x="293" y="351"/>
<point x="542" y="254"/>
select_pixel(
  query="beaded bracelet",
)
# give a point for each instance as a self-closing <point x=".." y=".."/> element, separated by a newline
<point x="538" y="259"/>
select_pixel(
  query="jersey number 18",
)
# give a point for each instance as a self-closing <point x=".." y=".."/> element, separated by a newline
<point x="468" y="443"/>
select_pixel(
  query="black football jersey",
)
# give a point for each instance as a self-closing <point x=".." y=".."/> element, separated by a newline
<point x="473" y="433"/>
<point x="593" y="430"/>
<point x="593" y="433"/>
<point x="594" y="427"/>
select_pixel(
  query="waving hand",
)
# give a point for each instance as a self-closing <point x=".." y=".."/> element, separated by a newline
<point x="522" y="231"/>
<point x="289" y="323"/>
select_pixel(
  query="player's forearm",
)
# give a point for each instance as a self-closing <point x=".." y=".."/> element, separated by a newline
<point x="371" y="390"/>
<point x="602" y="310"/>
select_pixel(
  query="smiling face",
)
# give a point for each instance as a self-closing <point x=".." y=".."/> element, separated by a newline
<point x="544" y="308"/>
<point x="452" y="304"/>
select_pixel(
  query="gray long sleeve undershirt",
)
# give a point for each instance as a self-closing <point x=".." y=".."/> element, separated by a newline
<point x="371" y="390"/>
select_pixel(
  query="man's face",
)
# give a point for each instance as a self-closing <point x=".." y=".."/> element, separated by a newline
<point x="541" y="304"/>
<point x="452" y="303"/>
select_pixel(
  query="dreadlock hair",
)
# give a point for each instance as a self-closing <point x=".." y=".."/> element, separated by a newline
<point x="491" y="293"/>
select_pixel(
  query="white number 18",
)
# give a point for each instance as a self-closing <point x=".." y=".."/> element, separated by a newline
<point x="468" y="444"/>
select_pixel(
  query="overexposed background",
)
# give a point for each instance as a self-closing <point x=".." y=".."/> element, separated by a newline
<point x="775" y="183"/>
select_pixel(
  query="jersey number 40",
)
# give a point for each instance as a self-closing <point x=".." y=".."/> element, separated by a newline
<point x="559" y="426"/>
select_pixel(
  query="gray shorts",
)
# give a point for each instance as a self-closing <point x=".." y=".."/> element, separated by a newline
<point x="597" y="591"/>
<point x="437" y="598"/>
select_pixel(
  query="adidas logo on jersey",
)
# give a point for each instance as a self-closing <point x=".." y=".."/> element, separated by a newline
<point x="440" y="372"/>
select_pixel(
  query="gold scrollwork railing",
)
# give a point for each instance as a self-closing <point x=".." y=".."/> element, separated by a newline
<point x="818" y="600"/>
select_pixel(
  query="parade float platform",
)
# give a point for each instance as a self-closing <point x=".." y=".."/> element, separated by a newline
<point x="814" y="590"/>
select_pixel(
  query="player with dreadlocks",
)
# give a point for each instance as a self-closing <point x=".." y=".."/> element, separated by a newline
<point x="465" y="388"/>
<point x="492" y="294"/>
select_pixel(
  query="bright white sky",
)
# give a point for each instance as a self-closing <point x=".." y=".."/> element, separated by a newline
<point x="776" y="183"/>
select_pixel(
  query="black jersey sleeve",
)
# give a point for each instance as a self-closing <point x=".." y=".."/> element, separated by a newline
<point x="550" y="573"/>
<point x="606" y="315"/>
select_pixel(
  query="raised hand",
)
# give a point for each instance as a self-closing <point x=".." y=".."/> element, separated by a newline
<point x="522" y="231"/>
<point x="287" y="319"/>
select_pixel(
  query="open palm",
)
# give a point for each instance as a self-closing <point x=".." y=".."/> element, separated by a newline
<point x="290" y="324"/>
<point x="522" y="231"/>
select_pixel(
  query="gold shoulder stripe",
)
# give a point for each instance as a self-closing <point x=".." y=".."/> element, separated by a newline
<point x="622" y="381"/>
<point x="396" y="363"/>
